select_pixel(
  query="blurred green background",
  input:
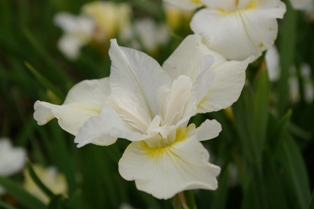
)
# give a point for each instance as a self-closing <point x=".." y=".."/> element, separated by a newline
<point x="265" y="148"/>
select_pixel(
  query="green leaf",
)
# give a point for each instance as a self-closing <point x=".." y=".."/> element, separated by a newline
<point x="6" y="206"/>
<point x="276" y="129"/>
<point x="190" y="201"/>
<point x="296" y="178"/>
<point x="260" y="109"/>
<point x="45" y="82"/>
<point x="22" y="196"/>
<point x="312" y="202"/>
<point x="63" y="159"/>
<point x="220" y="195"/>
<point x="287" y="48"/>
<point x="57" y="202"/>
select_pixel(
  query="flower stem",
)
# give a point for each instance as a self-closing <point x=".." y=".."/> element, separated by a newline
<point x="184" y="200"/>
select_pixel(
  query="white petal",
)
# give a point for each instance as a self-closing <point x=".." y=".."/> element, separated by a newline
<point x="12" y="160"/>
<point x="272" y="62"/>
<point x="66" y="21"/>
<point x="133" y="72"/>
<point x="84" y="100"/>
<point x="185" y="60"/>
<point x="167" y="171"/>
<point x="226" y="87"/>
<point x="204" y="79"/>
<point x="253" y="30"/>
<point x="105" y="129"/>
<point x="74" y="24"/>
<point x="70" y="46"/>
<point x="179" y="104"/>
<point x="209" y="129"/>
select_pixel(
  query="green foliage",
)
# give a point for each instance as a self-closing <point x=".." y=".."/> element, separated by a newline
<point x="265" y="147"/>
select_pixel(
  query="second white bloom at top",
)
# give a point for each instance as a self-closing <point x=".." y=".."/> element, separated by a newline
<point x="238" y="29"/>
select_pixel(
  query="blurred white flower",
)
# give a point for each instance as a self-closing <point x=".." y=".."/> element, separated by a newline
<point x="294" y="84"/>
<point x="50" y="178"/>
<point x="151" y="106"/>
<point x="272" y="63"/>
<point x="12" y="160"/>
<point x="306" y="5"/>
<point x="176" y="17"/>
<point x="78" y="31"/>
<point x="238" y="29"/>
<point x="150" y="34"/>
<point x="185" y="4"/>
<point x="109" y="17"/>
<point x="308" y="87"/>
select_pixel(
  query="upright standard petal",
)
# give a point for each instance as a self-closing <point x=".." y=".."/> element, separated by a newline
<point x="215" y="85"/>
<point x="83" y="101"/>
<point x="241" y="31"/>
<point x="166" y="171"/>
<point x="133" y="72"/>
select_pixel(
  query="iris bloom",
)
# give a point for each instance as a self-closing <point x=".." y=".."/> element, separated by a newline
<point x="78" y="31"/>
<point x="12" y="160"/>
<point x="50" y="177"/>
<point x="238" y="29"/>
<point x="109" y="17"/>
<point x="150" y="106"/>
<point x="151" y="34"/>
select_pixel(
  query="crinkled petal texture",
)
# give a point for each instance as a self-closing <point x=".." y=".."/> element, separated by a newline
<point x="84" y="100"/>
<point x="12" y="160"/>
<point x="166" y="171"/>
<point x="186" y="4"/>
<point x="239" y="32"/>
<point x="217" y="82"/>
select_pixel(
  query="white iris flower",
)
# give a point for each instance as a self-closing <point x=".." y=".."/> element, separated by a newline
<point x="12" y="159"/>
<point x="78" y="31"/>
<point x="151" y="106"/>
<point x="238" y="29"/>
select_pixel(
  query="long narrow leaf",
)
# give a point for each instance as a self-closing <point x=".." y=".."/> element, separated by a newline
<point x="26" y="199"/>
<point x="38" y="182"/>
<point x="45" y="82"/>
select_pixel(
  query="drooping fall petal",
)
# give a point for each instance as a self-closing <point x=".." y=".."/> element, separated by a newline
<point x="83" y="101"/>
<point x="166" y="171"/>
